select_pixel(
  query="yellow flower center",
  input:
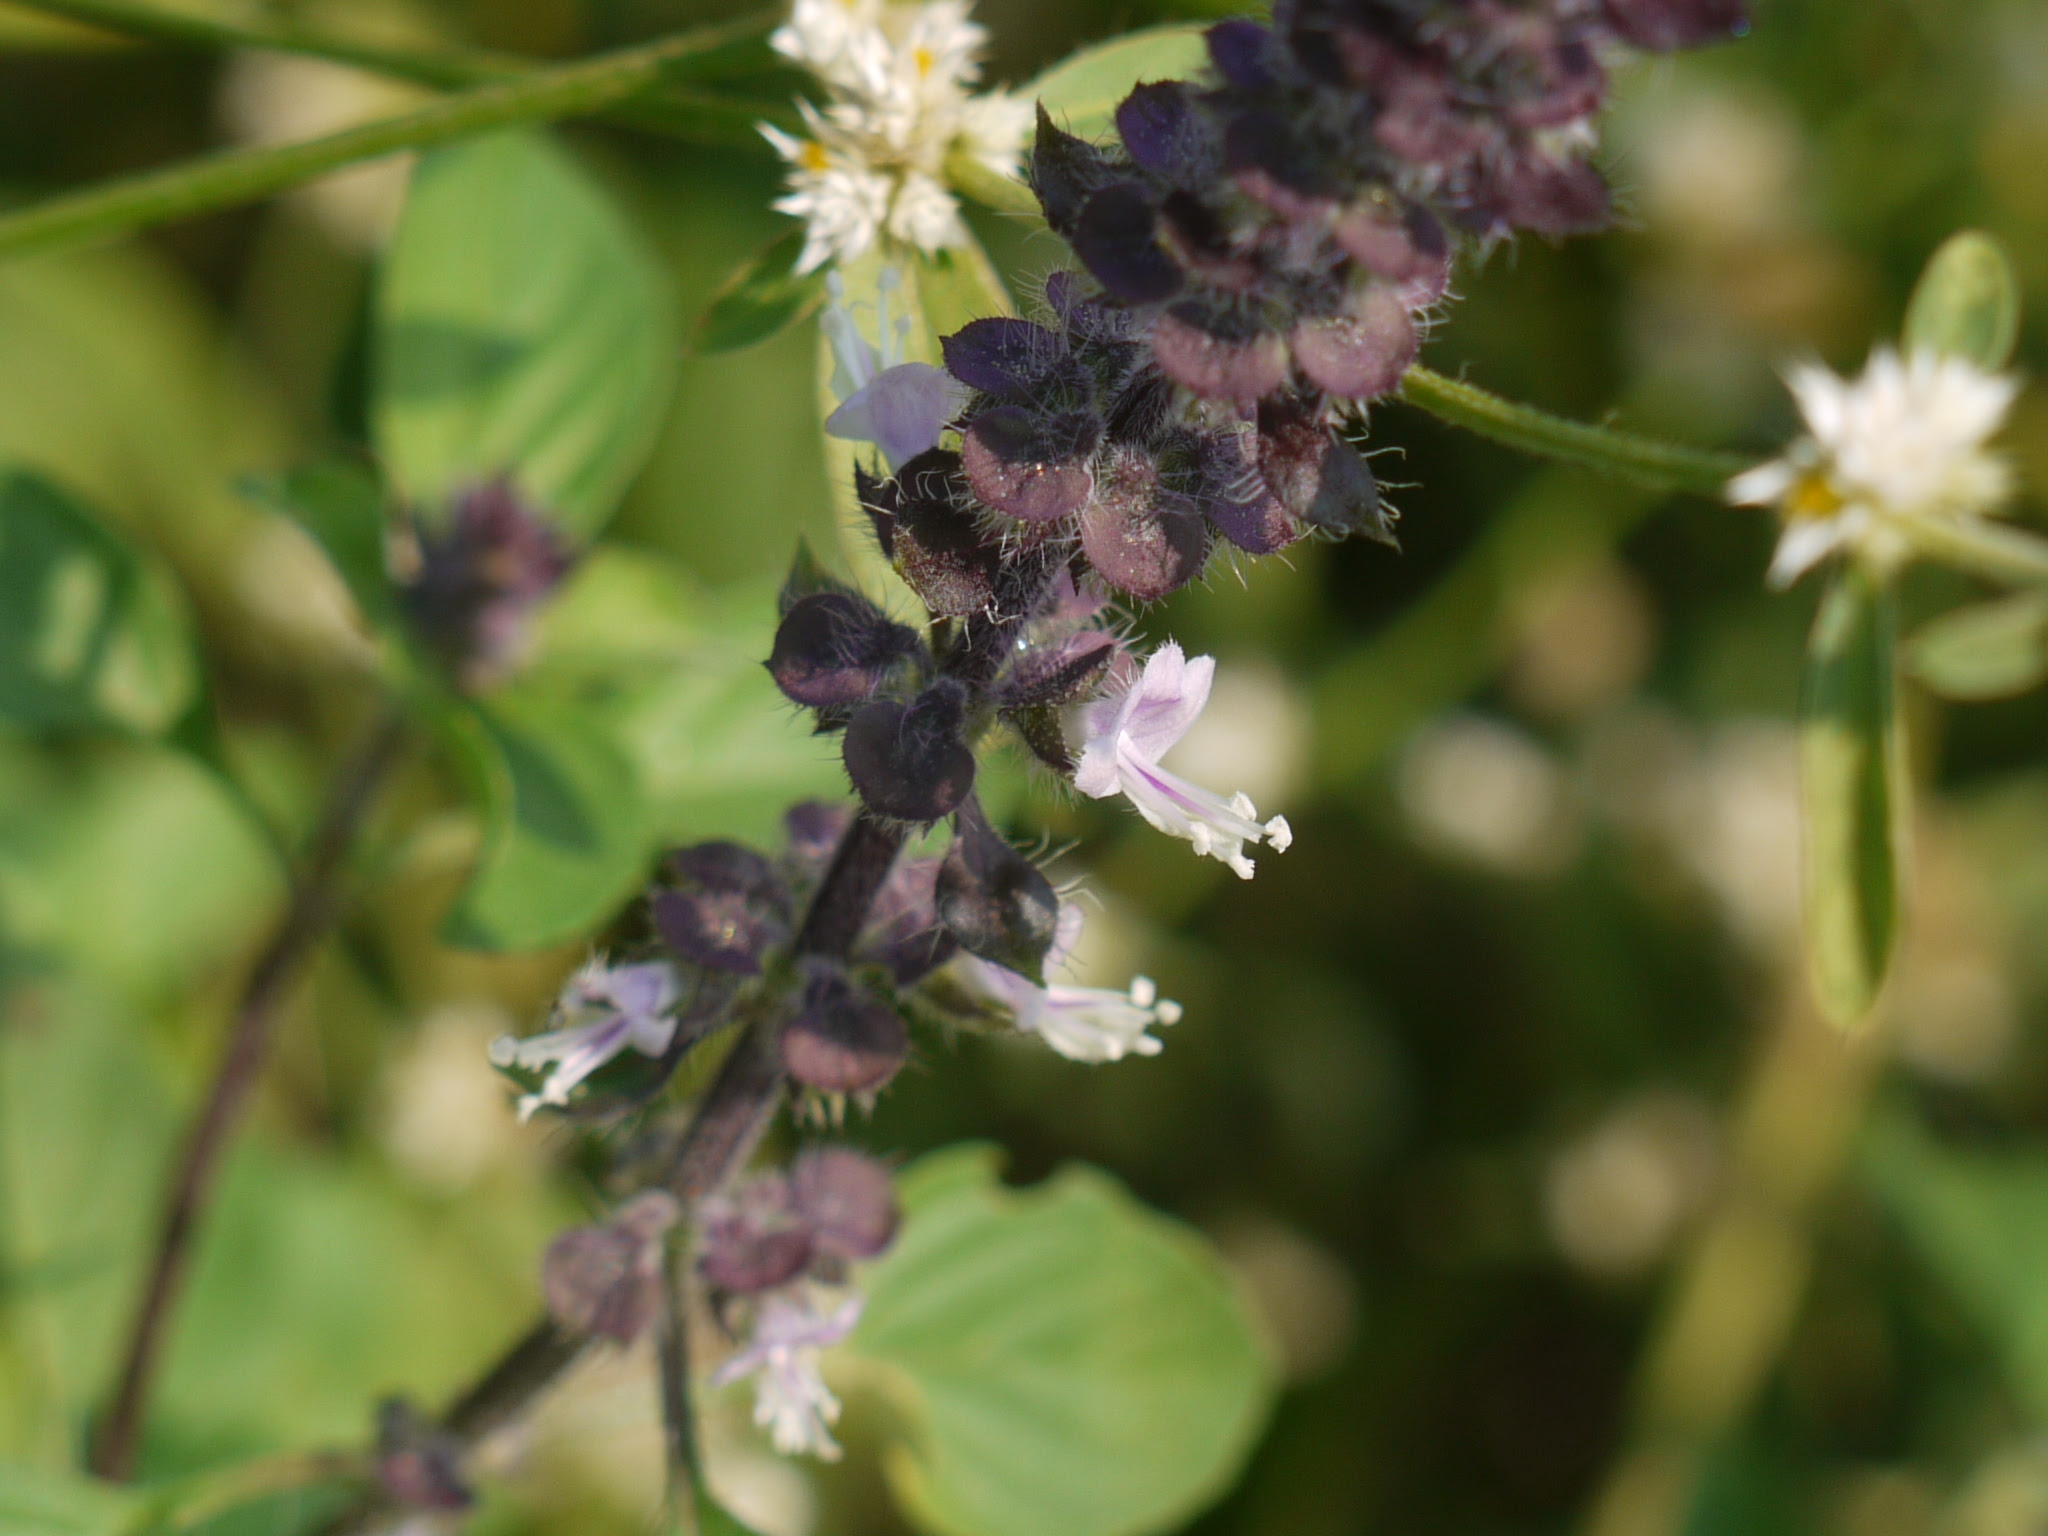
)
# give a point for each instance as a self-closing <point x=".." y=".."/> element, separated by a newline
<point x="814" y="157"/>
<point x="1813" y="495"/>
<point x="924" y="60"/>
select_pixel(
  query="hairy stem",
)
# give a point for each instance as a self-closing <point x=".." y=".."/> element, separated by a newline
<point x="678" y="1415"/>
<point x="1642" y="459"/>
<point x="308" y="914"/>
<point x="245" y="175"/>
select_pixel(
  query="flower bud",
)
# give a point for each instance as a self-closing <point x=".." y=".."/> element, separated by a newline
<point x="1031" y="467"/>
<point x="1141" y="538"/>
<point x="936" y="543"/>
<point x="1362" y="354"/>
<point x="754" y="1239"/>
<point x="1115" y="238"/>
<point x="1215" y="356"/>
<point x="902" y="931"/>
<point x="907" y="761"/>
<point x="847" y="1201"/>
<point x="1058" y="673"/>
<point x="835" y="648"/>
<point x="606" y="1280"/>
<point x="843" y="1040"/>
<point x="992" y="899"/>
<point x="1317" y="476"/>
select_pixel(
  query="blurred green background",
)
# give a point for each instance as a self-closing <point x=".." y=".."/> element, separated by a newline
<point x="1498" y="1089"/>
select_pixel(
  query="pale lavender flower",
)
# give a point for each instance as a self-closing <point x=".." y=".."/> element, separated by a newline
<point x="1090" y="1024"/>
<point x="1128" y="734"/>
<point x="791" y="1400"/>
<point x="603" y="1009"/>
<point x="899" y="407"/>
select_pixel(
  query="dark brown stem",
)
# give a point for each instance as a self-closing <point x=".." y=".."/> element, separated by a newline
<point x="314" y="901"/>
<point x="734" y="1112"/>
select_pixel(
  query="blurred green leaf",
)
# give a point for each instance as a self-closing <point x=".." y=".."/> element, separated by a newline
<point x="1979" y="1222"/>
<point x="1082" y="91"/>
<point x="1967" y="302"/>
<point x="342" y="506"/>
<point x="92" y="634"/>
<point x="762" y="298"/>
<point x="521" y="325"/>
<point x="1067" y="1362"/>
<point x="566" y="834"/>
<point x="1851" y="790"/>
<point x="674" y="675"/>
<point x="36" y="1503"/>
<point x="1985" y="651"/>
<point x="713" y="1519"/>
<point x="957" y="285"/>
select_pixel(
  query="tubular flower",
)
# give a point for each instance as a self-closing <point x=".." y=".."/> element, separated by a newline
<point x="1903" y="443"/>
<point x="604" y="1009"/>
<point x="1090" y="1024"/>
<point x="1126" y="737"/>
<point x="900" y="407"/>
<point x="791" y="1400"/>
<point x="873" y="165"/>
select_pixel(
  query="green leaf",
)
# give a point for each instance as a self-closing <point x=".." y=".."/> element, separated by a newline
<point x="1066" y="1362"/>
<point x="1852" y="791"/>
<point x="1082" y="91"/>
<point x="764" y="296"/>
<point x="672" y="674"/>
<point x="1985" y="651"/>
<point x="521" y="326"/>
<point x="92" y="633"/>
<point x="34" y="1503"/>
<point x="713" y="1519"/>
<point x="565" y="840"/>
<point x="1979" y="1222"/>
<point x="957" y="285"/>
<point x="1967" y="302"/>
<point x="342" y="506"/>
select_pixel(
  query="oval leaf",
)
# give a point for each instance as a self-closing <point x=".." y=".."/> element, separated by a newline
<point x="93" y="635"/>
<point x="1082" y="91"/>
<point x="565" y="840"/>
<point x="1852" y="794"/>
<point x="1967" y="302"/>
<point x="672" y="675"/>
<point x="342" y="506"/>
<point x="762" y="298"/>
<point x="1986" y="651"/>
<point x="521" y="327"/>
<point x="1073" y="1363"/>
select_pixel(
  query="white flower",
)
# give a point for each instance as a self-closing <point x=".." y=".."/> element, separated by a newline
<point x="603" y="1010"/>
<point x="1081" y="1023"/>
<point x="873" y="167"/>
<point x="900" y="407"/>
<point x="1127" y="736"/>
<point x="791" y="1400"/>
<point x="1904" y="442"/>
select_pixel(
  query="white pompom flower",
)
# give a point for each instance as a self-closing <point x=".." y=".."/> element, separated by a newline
<point x="899" y="79"/>
<point x="1903" y="443"/>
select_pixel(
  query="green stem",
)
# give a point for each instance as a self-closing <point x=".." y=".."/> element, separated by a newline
<point x="451" y="68"/>
<point x="1992" y="550"/>
<point x="241" y="176"/>
<point x="1642" y="459"/>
